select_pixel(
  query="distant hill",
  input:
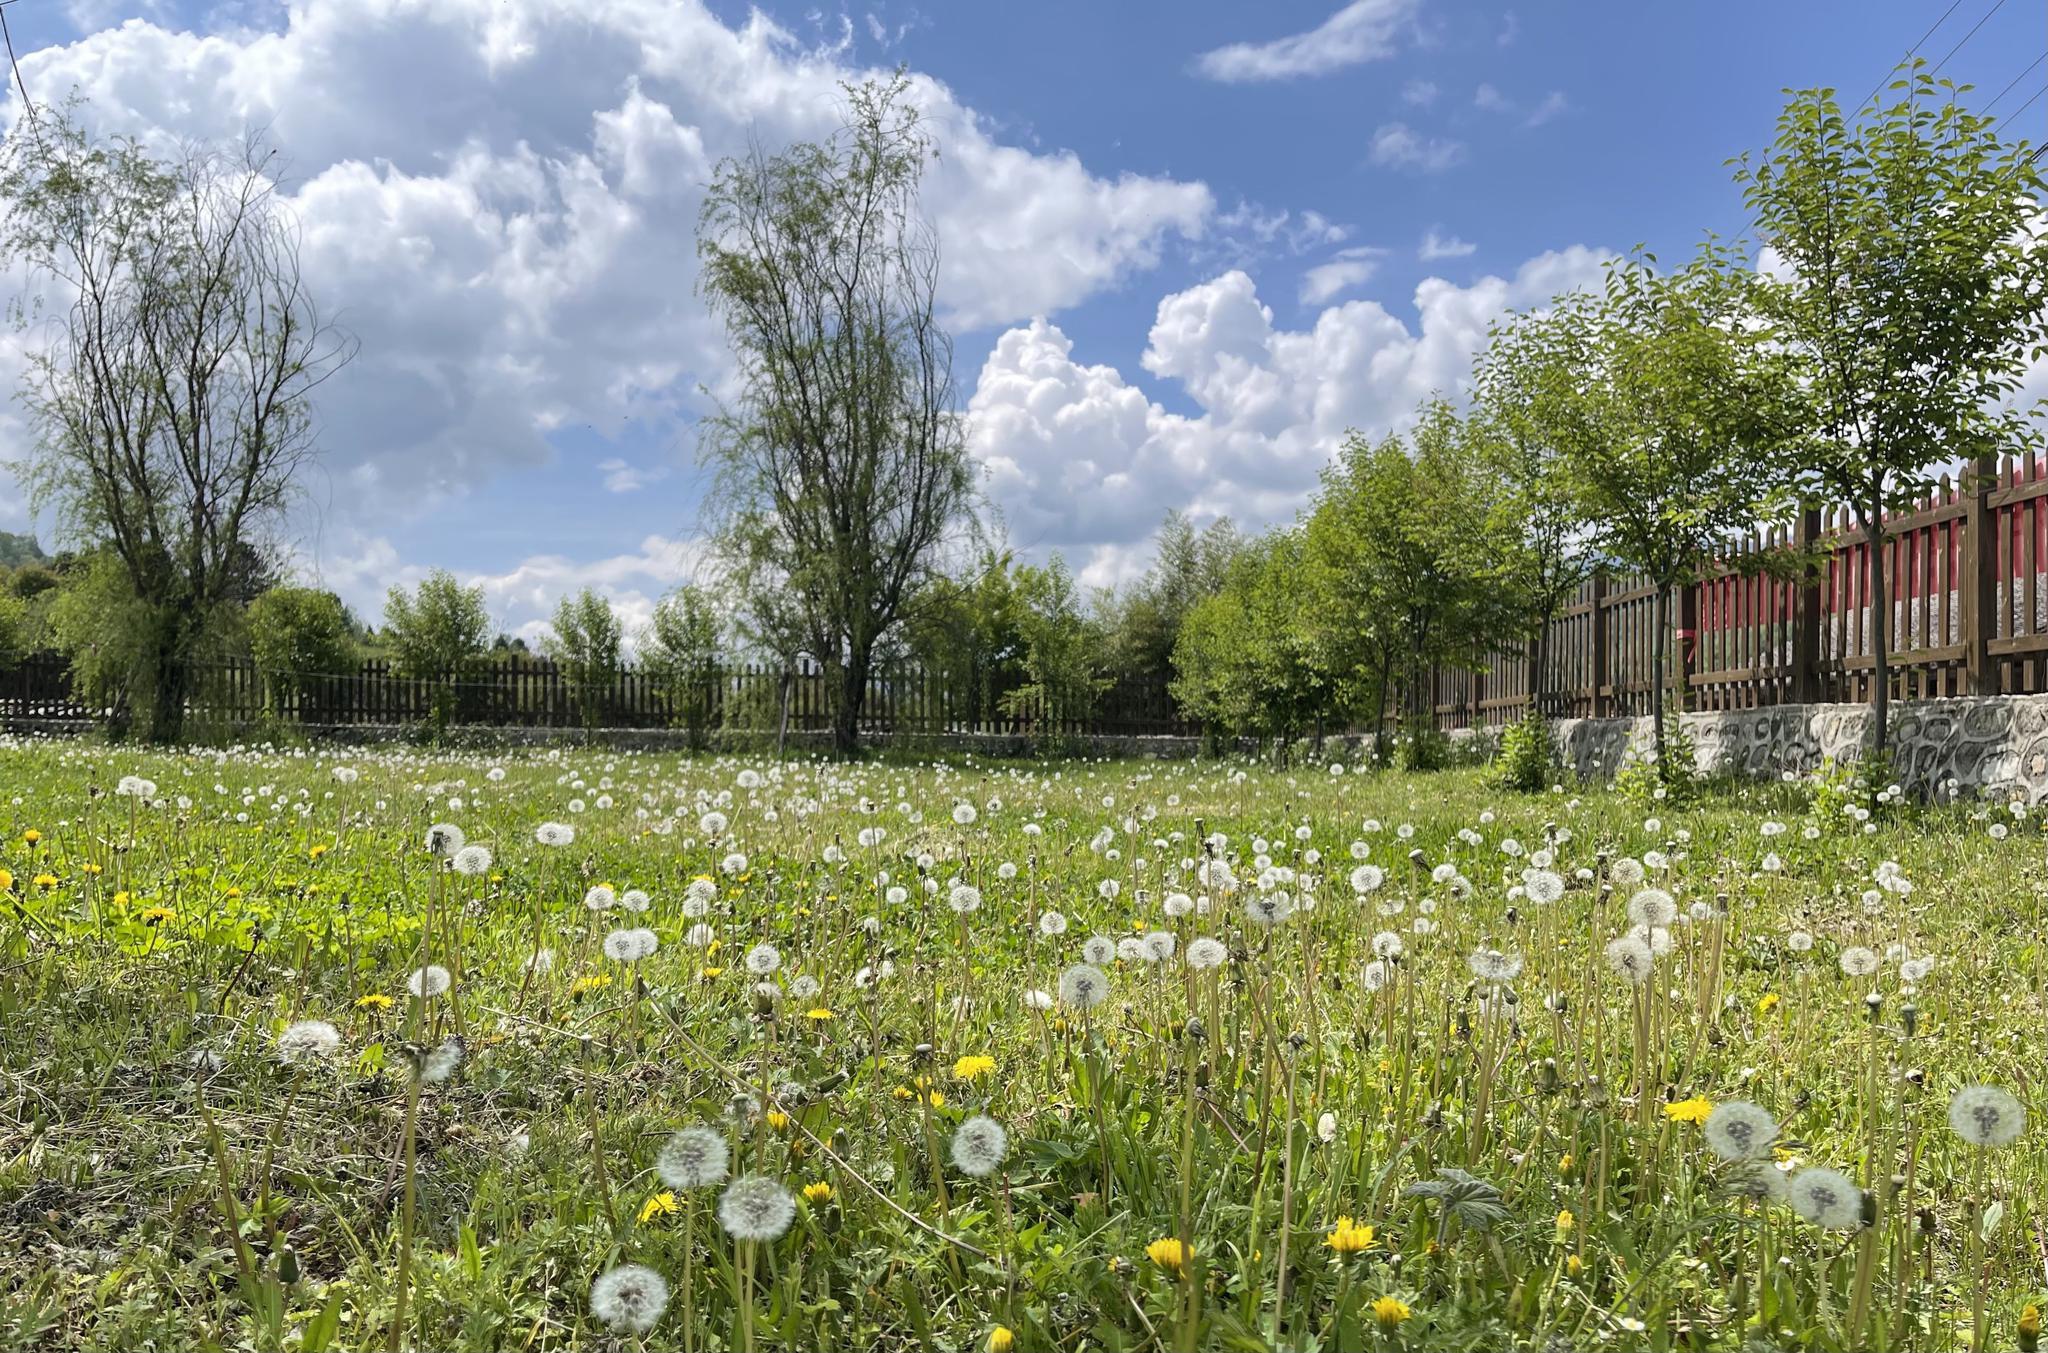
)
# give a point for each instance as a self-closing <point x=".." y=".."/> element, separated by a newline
<point x="18" y="550"/>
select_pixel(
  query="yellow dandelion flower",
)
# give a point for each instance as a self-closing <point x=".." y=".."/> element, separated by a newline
<point x="818" y="1014"/>
<point x="31" y="836"/>
<point x="1573" y="1264"/>
<point x="818" y="1193"/>
<point x="375" y="1000"/>
<point x="1390" y="1312"/>
<point x="1768" y="1003"/>
<point x="1349" y="1237"/>
<point x="583" y="986"/>
<point x="46" y="880"/>
<point x="662" y="1204"/>
<point x="708" y="973"/>
<point x="157" y="915"/>
<point x="1169" y="1253"/>
<point x="90" y="868"/>
<point x="967" y="1068"/>
<point x="1001" y="1339"/>
<point x="6" y="882"/>
<point x="315" y="852"/>
<point x="1694" y="1110"/>
<point x="777" y="1119"/>
<point x="1565" y="1222"/>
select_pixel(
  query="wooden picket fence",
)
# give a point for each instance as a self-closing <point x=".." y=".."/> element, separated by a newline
<point x="527" y="692"/>
<point x="1966" y="583"/>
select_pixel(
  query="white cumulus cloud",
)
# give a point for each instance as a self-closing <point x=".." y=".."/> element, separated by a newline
<point x="1364" y="30"/>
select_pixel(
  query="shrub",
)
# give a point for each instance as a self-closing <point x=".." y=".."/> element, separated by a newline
<point x="1527" y="761"/>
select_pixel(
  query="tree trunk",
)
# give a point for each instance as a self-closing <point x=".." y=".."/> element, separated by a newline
<point x="846" y="710"/>
<point x="1659" y="623"/>
<point x="1536" y="646"/>
<point x="1880" y="634"/>
<point x="782" y="720"/>
<point x="171" y="679"/>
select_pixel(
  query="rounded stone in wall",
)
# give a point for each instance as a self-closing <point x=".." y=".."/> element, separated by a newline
<point x="2034" y="762"/>
<point x="1935" y="728"/>
<point x="1987" y="719"/>
<point x="2029" y="716"/>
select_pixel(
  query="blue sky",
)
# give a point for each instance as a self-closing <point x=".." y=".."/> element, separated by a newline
<point x="1191" y="244"/>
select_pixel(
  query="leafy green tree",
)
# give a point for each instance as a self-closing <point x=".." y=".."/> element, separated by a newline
<point x="966" y="632"/>
<point x="17" y="550"/>
<point x="171" y="395"/>
<point x="1907" y="277"/>
<point x="1523" y="382"/>
<point x="1060" y="650"/>
<point x="841" y="465"/>
<point x="585" y="642"/>
<point x="1404" y="573"/>
<point x="1672" y="441"/>
<point x="681" y="651"/>
<point x="298" y="635"/>
<point x="1249" y="659"/>
<point x="439" y="630"/>
<point x="14" y="629"/>
<point x="1141" y="623"/>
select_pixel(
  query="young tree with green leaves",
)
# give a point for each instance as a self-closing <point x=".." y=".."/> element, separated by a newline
<point x="1061" y="649"/>
<point x="1248" y="660"/>
<point x="1522" y="375"/>
<point x="1906" y="276"/>
<point x="681" y="651"/>
<point x="585" y="640"/>
<point x="439" y="634"/>
<point x="1673" y="428"/>
<point x="841" y="464"/>
<point x="297" y="635"/>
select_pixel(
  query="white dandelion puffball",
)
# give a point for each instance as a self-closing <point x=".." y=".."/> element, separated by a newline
<point x="1492" y="965"/>
<point x="1038" y="1000"/>
<point x="701" y="893"/>
<point x="1388" y="944"/>
<point x="1740" y="1130"/>
<point x="713" y="824"/>
<point x="635" y="900"/>
<point x="763" y="959"/>
<point x="444" y="839"/>
<point x="979" y="1145"/>
<point x="429" y="982"/>
<point x="694" y="1158"/>
<point x="964" y="814"/>
<point x="1177" y="905"/>
<point x="1828" y="1199"/>
<point x="1367" y="878"/>
<point x="630" y="946"/>
<point x="1652" y="907"/>
<point x="472" y="860"/>
<point x="1857" y="961"/>
<point x="440" y="1064"/>
<point x="735" y="863"/>
<point x="308" y="1039"/>
<point x="1543" y="887"/>
<point x="600" y="898"/>
<point x="1799" y="941"/>
<point x="629" y="1298"/>
<point x="1626" y="871"/>
<point x="1099" y="950"/>
<point x="1629" y="958"/>
<point x="1158" y="945"/>
<point x="755" y="1207"/>
<point x="1205" y="953"/>
<point x="555" y="834"/>
<point x="1052" y="923"/>
<point x="964" y="898"/>
<point x="1984" y="1115"/>
<point x="1084" y="986"/>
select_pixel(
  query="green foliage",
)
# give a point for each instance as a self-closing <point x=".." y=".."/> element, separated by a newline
<point x="1667" y="774"/>
<point x="584" y="641"/>
<point x="1527" y="761"/>
<point x="681" y="651"/>
<point x="969" y="632"/>
<point x="1060" y="651"/>
<point x="1911" y="299"/>
<point x="439" y="630"/>
<point x="19" y="550"/>
<point x="1247" y="660"/>
<point x="297" y="635"/>
<point x="14" y="628"/>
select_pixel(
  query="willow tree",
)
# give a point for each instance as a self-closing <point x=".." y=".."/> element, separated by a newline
<point x="173" y="351"/>
<point x="840" y="464"/>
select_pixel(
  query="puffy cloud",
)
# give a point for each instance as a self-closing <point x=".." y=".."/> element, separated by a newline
<point x="499" y="197"/>
<point x="1080" y="459"/>
<point x="1364" y="30"/>
<point x="1396" y="145"/>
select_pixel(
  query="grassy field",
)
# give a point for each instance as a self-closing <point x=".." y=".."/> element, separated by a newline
<point x="1065" y="1056"/>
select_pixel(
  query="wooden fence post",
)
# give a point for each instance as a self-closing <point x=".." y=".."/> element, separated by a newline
<point x="1600" y="706"/>
<point x="1688" y="641"/>
<point x="1806" y="607"/>
<point x="1978" y="584"/>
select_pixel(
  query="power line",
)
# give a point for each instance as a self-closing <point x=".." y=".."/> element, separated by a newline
<point x="27" y="104"/>
<point x="1967" y="36"/>
<point x="1879" y="86"/>
<point x="2015" y="81"/>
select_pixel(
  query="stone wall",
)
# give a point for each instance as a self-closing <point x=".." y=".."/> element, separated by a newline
<point x="1994" y="744"/>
